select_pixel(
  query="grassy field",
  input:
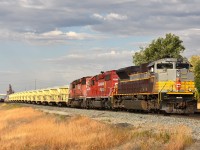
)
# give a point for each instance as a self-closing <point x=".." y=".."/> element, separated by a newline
<point x="23" y="128"/>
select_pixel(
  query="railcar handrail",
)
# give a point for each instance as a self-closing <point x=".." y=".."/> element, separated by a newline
<point x="159" y="93"/>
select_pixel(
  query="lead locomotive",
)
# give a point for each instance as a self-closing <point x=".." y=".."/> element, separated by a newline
<point x="164" y="85"/>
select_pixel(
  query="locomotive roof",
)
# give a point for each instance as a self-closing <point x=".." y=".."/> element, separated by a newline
<point x="124" y="73"/>
<point x="169" y="60"/>
<point x="81" y="78"/>
<point x="104" y="72"/>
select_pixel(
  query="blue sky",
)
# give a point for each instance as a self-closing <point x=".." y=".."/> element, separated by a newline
<point x="57" y="41"/>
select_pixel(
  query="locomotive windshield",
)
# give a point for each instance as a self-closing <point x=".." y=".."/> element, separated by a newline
<point x="165" y="66"/>
<point x="182" y="66"/>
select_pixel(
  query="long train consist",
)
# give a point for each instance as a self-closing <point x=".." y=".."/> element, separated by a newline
<point x="165" y="85"/>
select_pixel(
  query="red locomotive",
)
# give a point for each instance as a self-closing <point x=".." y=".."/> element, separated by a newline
<point x="93" y="92"/>
<point x="78" y="92"/>
<point x="100" y="89"/>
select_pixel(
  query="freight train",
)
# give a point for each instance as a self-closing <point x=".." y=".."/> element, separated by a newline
<point x="165" y="85"/>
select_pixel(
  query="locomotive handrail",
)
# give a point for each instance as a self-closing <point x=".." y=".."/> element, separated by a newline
<point x="159" y="93"/>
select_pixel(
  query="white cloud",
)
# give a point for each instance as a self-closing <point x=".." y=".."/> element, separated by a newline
<point x="90" y="62"/>
<point x="191" y="38"/>
<point x="98" y="16"/>
<point x="96" y="56"/>
<point x="113" y="57"/>
<point x="53" y="33"/>
<point x="78" y="36"/>
<point x="110" y="17"/>
<point x="74" y="56"/>
<point x="50" y="37"/>
<point x="36" y="4"/>
<point x="67" y="35"/>
<point x="114" y="16"/>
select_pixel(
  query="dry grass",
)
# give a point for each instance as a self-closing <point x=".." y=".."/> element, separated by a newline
<point x="26" y="128"/>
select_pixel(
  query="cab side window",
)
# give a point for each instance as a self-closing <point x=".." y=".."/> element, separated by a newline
<point x="107" y="77"/>
<point x="151" y="69"/>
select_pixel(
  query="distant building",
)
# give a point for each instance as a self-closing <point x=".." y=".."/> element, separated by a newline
<point x="10" y="90"/>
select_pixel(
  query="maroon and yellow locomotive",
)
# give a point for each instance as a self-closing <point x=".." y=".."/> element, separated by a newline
<point x="165" y="85"/>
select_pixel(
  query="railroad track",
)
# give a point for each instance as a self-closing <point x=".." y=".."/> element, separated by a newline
<point x="56" y="108"/>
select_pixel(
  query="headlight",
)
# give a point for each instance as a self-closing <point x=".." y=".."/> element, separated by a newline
<point x="178" y="73"/>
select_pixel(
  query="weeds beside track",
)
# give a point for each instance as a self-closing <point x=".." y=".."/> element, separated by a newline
<point x="26" y="128"/>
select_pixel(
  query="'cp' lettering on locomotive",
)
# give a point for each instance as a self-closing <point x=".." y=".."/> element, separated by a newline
<point x="100" y="83"/>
